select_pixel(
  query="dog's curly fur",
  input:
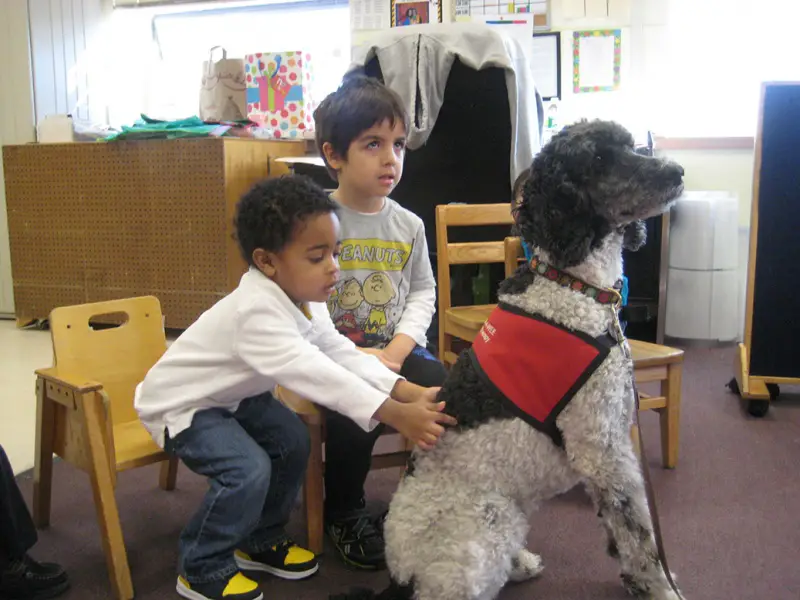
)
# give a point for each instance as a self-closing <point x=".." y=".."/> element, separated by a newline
<point x="457" y="525"/>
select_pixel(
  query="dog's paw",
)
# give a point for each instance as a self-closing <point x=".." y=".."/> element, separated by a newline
<point x="650" y="590"/>
<point x="526" y="565"/>
<point x="667" y="595"/>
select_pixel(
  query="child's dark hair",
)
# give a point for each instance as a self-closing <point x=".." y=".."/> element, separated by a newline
<point x="360" y="103"/>
<point x="268" y="215"/>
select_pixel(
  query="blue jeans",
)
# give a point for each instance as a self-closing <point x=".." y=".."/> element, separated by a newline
<point x="255" y="460"/>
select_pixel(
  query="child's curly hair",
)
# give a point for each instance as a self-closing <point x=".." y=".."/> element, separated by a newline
<point x="269" y="214"/>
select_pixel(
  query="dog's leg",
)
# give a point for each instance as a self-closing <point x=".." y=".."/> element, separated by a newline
<point x="463" y="552"/>
<point x="616" y="487"/>
<point x="596" y="430"/>
<point x="526" y="565"/>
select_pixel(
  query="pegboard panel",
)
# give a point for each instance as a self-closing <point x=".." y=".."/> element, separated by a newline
<point x="92" y="222"/>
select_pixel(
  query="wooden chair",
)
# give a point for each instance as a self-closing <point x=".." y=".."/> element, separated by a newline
<point x="314" y="488"/>
<point x="85" y="413"/>
<point x="651" y="363"/>
<point x="464" y="322"/>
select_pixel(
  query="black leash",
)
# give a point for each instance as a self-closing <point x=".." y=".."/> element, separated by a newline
<point x="651" y="500"/>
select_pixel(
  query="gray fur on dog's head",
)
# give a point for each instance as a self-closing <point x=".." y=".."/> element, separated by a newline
<point x="588" y="183"/>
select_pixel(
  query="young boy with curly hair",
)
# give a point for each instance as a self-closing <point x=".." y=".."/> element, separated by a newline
<point x="387" y="296"/>
<point x="208" y="400"/>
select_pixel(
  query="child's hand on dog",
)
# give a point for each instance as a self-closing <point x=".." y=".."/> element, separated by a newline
<point x="421" y="421"/>
<point x="405" y="391"/>
<point x="428" y="395"/>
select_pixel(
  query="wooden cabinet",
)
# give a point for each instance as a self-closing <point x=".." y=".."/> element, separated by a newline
<point x="99" y="221"/>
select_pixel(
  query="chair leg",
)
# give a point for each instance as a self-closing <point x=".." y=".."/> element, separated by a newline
<point x="670" y="416"/>
<point x="445" y="342"/>
<point x="635" y="439"/>
<point x="43" y="470"/>
<point x="105" y="503"/>
<point x="313" y="491"/>
<point x="168" y="477"/>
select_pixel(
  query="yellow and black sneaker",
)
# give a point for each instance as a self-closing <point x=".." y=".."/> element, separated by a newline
<point x="286" y="560"/>
<point x="238" y="587"/>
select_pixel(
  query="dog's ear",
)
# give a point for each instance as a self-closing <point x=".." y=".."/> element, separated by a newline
<point x="634" y="236"/>
<point x="556" y="213"/>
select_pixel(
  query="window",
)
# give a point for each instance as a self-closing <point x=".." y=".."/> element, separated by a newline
<point x="165" y="49"/>
<point x="715" y="54"/>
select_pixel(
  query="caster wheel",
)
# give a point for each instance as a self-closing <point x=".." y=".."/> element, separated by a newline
<point x="733" y="386"/>
<point x="774" y="391"/>
<point x="758" y="408"/>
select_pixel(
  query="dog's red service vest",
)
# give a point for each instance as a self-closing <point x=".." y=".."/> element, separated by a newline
<point x="534" y="365"/>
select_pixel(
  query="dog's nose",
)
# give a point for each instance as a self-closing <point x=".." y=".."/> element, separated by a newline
<point x="676" y="174"/>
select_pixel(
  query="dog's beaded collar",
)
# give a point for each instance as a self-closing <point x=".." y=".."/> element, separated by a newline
<point x="600" y="295"/>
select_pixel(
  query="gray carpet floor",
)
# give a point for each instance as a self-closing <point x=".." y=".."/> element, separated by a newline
<point x="730" y="514"/>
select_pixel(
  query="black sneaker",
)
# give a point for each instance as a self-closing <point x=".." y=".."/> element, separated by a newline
<point x="286" y="560"/>
<point x="27" y="579"/>
<point x="237" y="587"/>
<point x="358" y="540"/>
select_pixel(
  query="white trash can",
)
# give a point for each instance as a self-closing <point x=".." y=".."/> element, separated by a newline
<point x="702" y="283"/>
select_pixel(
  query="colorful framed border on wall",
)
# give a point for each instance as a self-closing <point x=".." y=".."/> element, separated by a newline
<point x="415" y="12"/>
<point x="597" y="56"/>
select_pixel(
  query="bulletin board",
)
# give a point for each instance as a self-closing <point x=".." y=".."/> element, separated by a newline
<point x="772" y="333"/>
<point x="463" y="10"/>
<point x="768" y="357"/>
<point x="597" y="57"/>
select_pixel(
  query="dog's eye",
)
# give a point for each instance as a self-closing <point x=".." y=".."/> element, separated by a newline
<point x="598" y="157"/>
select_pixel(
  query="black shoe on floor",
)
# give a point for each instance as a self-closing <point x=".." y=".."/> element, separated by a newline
<point x="358" y="540"/>
<point x="27" y="579"/>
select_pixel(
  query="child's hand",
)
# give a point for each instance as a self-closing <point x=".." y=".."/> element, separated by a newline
<point x="428" y="395"/>
<point x="421" y="422"/>
<point x="405" y="391"/>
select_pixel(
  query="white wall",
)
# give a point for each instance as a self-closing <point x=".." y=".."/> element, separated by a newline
<point x="16" y="116"/>
<point x="68" y="56"/>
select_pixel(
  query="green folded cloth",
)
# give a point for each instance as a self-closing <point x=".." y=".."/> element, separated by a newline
<point x="148" y="129"/>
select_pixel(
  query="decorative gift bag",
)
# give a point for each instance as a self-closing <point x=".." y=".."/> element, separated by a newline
<point x="222" y="93"/>
<point x="279" y="92"/>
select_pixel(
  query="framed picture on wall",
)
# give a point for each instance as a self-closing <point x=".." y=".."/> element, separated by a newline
<point x="413" y="12"/>
<point x="546" y="64"/>
<point x="596" y="61"/>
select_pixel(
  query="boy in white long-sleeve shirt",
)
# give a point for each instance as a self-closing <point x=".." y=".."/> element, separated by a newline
<point x="208" y="399"/>
<point x="387" y="294"/>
